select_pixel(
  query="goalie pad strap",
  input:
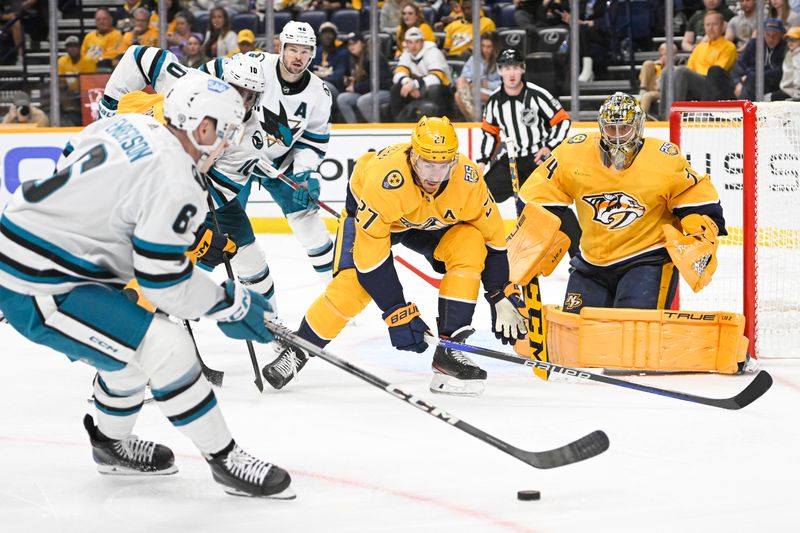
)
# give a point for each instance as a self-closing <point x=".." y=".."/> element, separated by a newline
<point x="536" y="245"/>
<point x="646" y="339"/>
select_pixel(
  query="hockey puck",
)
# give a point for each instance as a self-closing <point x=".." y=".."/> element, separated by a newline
<point x="529" y="495"/>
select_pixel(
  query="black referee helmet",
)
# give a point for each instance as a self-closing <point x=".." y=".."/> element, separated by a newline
<point x="510" y="56"/>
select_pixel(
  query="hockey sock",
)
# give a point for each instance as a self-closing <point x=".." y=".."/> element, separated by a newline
<point x="118" y="399"/>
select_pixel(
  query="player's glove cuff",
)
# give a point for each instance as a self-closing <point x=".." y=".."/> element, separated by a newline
<point x="211" y="248"/>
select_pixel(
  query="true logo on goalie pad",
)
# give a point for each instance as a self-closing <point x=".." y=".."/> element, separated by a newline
<point x="614" y="209"/>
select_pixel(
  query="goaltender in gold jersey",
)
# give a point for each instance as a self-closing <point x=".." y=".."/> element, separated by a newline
<point x="433" y="200"/>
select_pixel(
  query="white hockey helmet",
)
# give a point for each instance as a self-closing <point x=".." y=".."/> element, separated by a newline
<point x="197" y="96"/>
<point x="298" y="33"/>
<point x="245" y="73"/>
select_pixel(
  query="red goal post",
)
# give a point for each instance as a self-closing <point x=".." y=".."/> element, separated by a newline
<point x="752" y="153"/>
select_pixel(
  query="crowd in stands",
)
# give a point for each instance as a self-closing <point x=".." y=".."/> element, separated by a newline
<point x="426" y="45"/>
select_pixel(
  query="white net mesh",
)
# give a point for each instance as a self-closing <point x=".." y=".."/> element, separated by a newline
<point x="713" y="142"/>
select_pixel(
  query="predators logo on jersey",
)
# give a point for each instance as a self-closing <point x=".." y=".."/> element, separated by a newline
<point x="614" y="209"/>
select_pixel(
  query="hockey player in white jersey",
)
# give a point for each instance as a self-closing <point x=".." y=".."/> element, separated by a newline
<point x="126" y="204"/>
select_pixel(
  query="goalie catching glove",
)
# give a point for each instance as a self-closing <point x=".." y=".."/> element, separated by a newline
<point x="406" y="329"/>
<point x="241" y="314"/>
<point x="536" y="245"/>
<point x="694" y="251"/>
<point x="508" y="324"/>
<point x="211" y="248"/>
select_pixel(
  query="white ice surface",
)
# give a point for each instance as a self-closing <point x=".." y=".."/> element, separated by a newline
<point x="363" y="461"/>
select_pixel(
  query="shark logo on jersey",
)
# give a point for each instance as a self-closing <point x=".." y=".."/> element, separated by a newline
<point x="277" y="127"/>
<point x="614" y="209"/>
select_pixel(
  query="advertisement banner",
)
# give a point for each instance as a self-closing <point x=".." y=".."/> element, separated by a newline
<point x="92" y="87"/>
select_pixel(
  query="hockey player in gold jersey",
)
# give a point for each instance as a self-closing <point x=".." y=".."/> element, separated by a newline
<point x="626" y="187"/>
<point x="428" y="197"/>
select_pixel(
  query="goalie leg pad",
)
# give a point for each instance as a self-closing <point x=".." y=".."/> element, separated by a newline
<point x="313" y="235"/>
<point x="642" y="340"/>
<point x="342" y="300"/>
<point x="536" y="245"/>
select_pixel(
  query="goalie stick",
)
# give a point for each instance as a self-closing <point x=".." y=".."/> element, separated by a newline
<point x="258" y="381"/>
<point x="586" y="447"/>
<point x="435" y="282"/>
<point x="754" y="390"/>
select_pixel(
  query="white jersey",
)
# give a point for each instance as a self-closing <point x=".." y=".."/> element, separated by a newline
<point x="289" y="129"/>
<point x="125" y="203"/>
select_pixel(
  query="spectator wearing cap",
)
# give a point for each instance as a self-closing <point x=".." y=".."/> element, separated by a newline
<point x="193" y="53"/>
<point x="422" y="80"/>
<point x="411" y="17"/>
<point x="790" y="80"/>
<point x="714" y="50"/>
<point x="358" y="85"/>
<point x="331" y="62"/>
<point x="183" y="29"/>
<point x="458" y="34"/>
<point x="695" y="28"/>
<point x="142" y="33"/>
<point x="70" y="66"/>
<point x="741" y="82"/>
<point x="22" y="112"/>
<point x="247" y="42"/>
<point x="104" y="43"/>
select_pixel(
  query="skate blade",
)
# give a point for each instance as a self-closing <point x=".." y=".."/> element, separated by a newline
<point x="286" y="494"/>
<point x="116" y="470"/>
<point x="444" y="384"/>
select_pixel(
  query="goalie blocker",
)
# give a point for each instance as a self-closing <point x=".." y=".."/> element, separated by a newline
<point x="647" y="340"/>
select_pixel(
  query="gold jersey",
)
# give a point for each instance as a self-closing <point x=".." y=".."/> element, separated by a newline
<point x="150" y="104"/>
<point x="388" y="201"/>
<point x="620" y="212"/>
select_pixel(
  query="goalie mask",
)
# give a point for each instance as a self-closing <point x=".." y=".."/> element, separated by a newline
<point x="196" y="97"/>
<point x="434" y="152"/>
<point x="621" y="122"/>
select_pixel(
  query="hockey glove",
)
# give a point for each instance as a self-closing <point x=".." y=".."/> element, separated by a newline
<point x="406" y="329"/>
<point x="308" y="193"/>
<point x="508" y="324"/>
<point x="240" y="315"/>
<point x="211" y="248"/>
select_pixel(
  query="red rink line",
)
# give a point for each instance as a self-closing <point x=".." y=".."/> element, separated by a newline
<point x="410" y="496"/>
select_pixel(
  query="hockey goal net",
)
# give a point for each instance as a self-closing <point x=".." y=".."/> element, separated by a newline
<point x="752" y="153"/>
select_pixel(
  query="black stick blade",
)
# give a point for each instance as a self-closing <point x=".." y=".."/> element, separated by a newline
<point x="215" y="377"/>
<point x="756" y="389"/>
<point x="584" y="448"/>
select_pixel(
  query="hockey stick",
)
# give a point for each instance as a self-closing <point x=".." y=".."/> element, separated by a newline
<point x="754" y="390"/>
<point x="258" y="381"/>
<point x="588" y="446"/>
<point x="214" y="376"/>
<point x="436" y="282"/>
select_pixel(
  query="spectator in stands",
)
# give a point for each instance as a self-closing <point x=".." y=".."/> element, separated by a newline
<point x="220" y="39"/>
<point x="390" y="15"/>
<point x="594" y="38"/>
<point x="231" y="7"/>
<point x="173" y="8"/>
<point x="358" y="85"/>
<point x="25" y="17"/>
<point x="790" y="80"/>
<point x="103" y="44"/>
<point x="331" y="62"/>
<point x="454" y="13"/>
<point x="714" y="50"/>
<point x="741" y="27"/>
<point x="422" y="83"/>
<point x="528" y="13"/>
<point x="780" y="9"/>
<point x="247" y="42"/>
<point x="142" y="33"/>
<point x="193" y="53"/>
<point x="695" y="28"/>
<point x="70" y="65"/>
<point x="741" y="82"/>
<point x="411" y="17"/>
<point x="123" y="15"/>
<point x="650" y="77"/>
<point x="489" y="75"/>
<point x="176" y="40"/>
<point x="22" y="112"/>
<point x="458" y="38"/>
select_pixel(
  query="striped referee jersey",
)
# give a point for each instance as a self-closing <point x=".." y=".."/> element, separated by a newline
<point x="533" y="118"/>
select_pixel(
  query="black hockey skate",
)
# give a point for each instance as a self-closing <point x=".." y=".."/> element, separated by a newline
<point x="244" y="475"/>
<point x="130" y="456"/>
<point x="454" y="372"/>
<point x="281" y="371"/>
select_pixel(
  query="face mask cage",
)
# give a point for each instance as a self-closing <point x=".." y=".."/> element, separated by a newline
<point x="621" y="127"/>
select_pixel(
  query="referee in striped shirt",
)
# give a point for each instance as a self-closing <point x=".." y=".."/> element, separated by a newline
<point x="534" y="120"/>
